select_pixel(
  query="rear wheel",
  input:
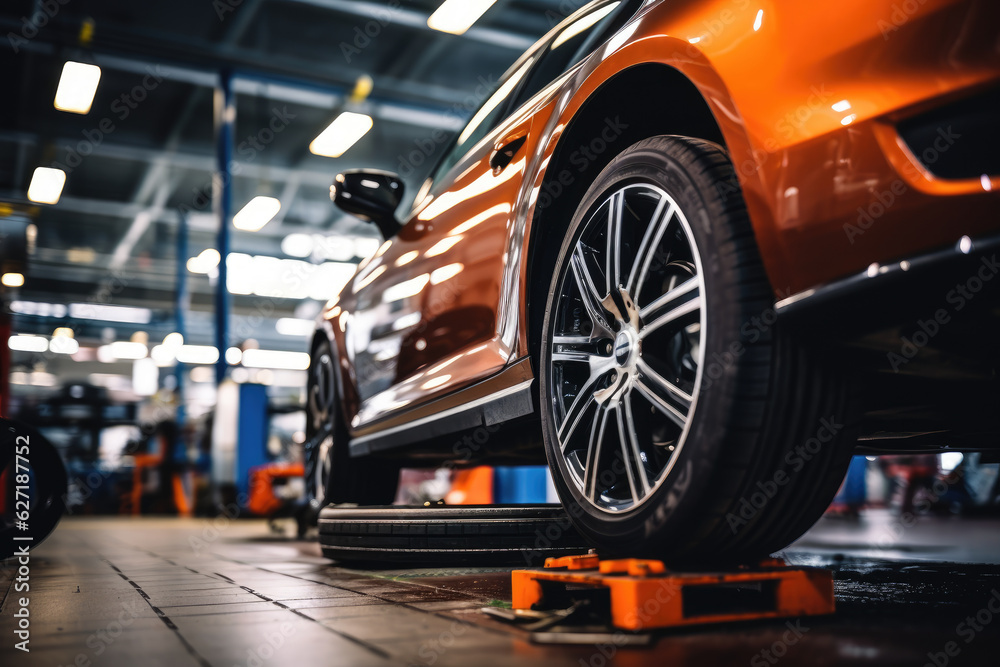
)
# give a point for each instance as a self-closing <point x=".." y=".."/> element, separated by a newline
<point x="679" y="421"/>
<point x="332" y="476"/>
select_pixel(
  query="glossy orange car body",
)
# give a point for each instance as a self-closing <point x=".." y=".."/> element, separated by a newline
<point x="806" y="97"/>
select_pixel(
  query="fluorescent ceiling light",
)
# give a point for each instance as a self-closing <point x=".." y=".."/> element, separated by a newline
<point x="64" y="345"/>
<point x="291" y="361"/>
<point x="28" y="343"/>
<point x="12" y="279"/>
<point x="582" y="24"/>
<point x="94" y="311"/>
<point x="298" y="245"/>
<point x="233" y="356"/>
<point x="46" y="185"/>
<point x="77" y="87"/>
<point x="457" y="16"/>
<point x="291" y="326"/>
<point x="205" y="262"/>
<point x="38" y="309"/>
<point x="163" y="355"/>
<point x="258" y="212"/>
<point x="341" y="134"/>
<point x="124" y="349"/>
<point x="197" y="354"/>
<point x="172" y="341"/>
<point x="286" y="278"/>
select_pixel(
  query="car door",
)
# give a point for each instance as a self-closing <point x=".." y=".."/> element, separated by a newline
<point x="425" y="320"/>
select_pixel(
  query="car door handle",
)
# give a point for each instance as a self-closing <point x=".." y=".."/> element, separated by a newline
<point x="505" y="151"/>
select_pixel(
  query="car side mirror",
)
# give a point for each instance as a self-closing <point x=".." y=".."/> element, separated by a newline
<point x="370" y="195"/>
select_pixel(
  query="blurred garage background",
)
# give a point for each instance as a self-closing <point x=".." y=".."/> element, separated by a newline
<point x="119" y="315"/>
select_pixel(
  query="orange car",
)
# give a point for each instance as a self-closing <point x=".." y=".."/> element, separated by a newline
<point x="695" y="251"/>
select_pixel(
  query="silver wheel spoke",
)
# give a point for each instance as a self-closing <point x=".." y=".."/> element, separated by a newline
<point x="676" y="304"/>
<point x="613" y="259"/>
<point x="588" y="290"/>
<point x="680" y="398"/>
<point x="650" y="242"/>
<point x="594" y="453"/>
<point x="649" y="391"/>
<point x="598" y="367"/>
<point x="631" y="454"/>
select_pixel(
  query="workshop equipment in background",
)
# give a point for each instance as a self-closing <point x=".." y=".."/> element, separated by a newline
<point x="276" y="490"/>
<point x="640" y="595"/>
<point x="239" y="438"/>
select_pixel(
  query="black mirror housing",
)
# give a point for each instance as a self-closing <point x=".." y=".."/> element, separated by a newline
<point x="370" y="195"/>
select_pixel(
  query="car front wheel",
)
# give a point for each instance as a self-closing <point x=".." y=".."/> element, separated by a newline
<point x="680" y="422"/>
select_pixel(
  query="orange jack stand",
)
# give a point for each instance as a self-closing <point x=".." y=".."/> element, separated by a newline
<point x="644" y="595"/>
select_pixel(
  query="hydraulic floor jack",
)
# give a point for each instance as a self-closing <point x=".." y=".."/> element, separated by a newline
<point x="642" y="595"/>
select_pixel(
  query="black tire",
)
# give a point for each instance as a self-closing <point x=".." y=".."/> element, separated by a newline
<point x="363" y="481"/>
<point x="437" y="535"/>
<point x="770" y="424"/>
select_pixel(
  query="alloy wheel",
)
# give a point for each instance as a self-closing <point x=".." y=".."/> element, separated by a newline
<point x="321" y="393"/>
<point x="626" y="349"/>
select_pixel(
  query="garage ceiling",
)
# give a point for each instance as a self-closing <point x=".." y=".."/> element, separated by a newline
<point x="146" y="149"/>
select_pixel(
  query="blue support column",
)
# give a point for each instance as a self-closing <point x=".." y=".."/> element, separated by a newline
<point x="225" y="137"/>
<point x="182" y="301"/>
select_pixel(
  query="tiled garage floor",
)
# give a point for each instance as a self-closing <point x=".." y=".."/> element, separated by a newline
<point x="172" y="592"/>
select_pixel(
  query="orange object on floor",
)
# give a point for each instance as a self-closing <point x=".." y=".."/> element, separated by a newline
<point x="644" y="595"/>
<point x="142" y="462"/>
<point x="473" y="486"/>
<point x="263" y="502"/>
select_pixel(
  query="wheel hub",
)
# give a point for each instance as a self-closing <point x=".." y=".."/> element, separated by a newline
<point x="623" y="348"/>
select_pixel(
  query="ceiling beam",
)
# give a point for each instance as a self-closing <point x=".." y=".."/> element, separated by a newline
<point x="414" y="19"/>
<point x="191" y="161"/>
